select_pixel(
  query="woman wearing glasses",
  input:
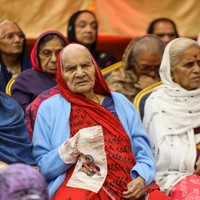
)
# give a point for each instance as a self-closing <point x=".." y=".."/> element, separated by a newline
<point x="141" y="62"/>
<point x="32" y="82"/>
<point x="14" y="56"/>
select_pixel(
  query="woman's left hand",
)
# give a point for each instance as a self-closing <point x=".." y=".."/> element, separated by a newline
<point x="136" y="189"/>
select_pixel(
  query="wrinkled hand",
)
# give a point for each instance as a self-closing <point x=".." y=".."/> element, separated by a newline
<point x="136" y="189"/>
<point x="198" y="166"/>
<point x="145" y="81"/>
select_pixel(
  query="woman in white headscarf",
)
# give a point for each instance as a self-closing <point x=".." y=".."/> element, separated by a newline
<point x="172" y="120"/>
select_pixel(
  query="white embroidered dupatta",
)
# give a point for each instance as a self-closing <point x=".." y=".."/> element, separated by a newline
<point x="171" y="114"/>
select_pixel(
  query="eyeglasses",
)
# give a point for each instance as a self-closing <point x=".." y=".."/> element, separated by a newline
<point x="146" y="69"/>
<point x="11" y="36"/>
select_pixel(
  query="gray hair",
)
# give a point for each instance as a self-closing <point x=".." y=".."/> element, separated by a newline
<point x="177" y="49"/>
<point x="139" y="45"/>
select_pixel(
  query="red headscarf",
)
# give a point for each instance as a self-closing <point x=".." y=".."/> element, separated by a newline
<point x="34" y="52"/>
<point x="100" y="86"/>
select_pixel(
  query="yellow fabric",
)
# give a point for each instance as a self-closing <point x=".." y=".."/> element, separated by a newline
<point x="9" y="85"/>
<point x="124" y="18"/>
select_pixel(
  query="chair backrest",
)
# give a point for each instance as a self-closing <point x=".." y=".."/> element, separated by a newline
<point x="141" y="97"/>
<point x="106" y="71"/>
<point x="9" y="86"/>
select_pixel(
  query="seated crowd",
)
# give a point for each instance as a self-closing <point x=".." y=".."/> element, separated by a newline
<point x="68" y="132"/>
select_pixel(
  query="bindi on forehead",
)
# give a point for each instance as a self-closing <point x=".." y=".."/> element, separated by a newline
<point x="195" y="57"/>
